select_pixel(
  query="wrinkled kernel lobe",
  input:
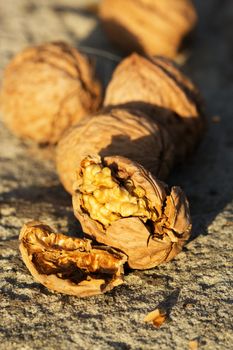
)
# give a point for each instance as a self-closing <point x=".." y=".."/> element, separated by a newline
<point x="54" y="252"/>
<point x="106" y="200"/>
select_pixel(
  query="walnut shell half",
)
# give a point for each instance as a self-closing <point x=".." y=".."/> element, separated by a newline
<point x="46" y="89"/>
<point x="69" y="265"/>
<point x="155" y="27"/>
<point x="122" y="205"/>
<point x="147" y="83"/>
<point x="116" y="131"/>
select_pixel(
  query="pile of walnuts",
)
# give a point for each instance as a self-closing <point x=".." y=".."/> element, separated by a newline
<point x="111" y="156"/>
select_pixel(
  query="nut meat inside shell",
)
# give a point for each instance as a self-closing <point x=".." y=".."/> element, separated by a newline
<point x="69" y="265"/>
<point x="122" y="205"/>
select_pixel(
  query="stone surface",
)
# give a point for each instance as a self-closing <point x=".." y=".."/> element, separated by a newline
<point x="195" y="288"/>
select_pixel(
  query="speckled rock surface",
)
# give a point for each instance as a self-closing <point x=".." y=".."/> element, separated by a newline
<point x="195" y="288"/>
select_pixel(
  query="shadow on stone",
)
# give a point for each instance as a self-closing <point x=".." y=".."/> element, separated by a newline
<point x="169" y="302"/>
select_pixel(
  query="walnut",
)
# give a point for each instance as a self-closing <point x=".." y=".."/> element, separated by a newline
<point x="149" y="83"/>
<point x="69" y="265"/>
<point x="46" y="89"/>
<point x="148" y="26"/>
<point x="116" y="131"/>
<point x="120" y="204"/>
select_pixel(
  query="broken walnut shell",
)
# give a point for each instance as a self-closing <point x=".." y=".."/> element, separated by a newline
<point x="117" y="131"/>
<point x="153" y="27"/>
<point x="46" y="89"/>
<point x="149" y="83"/>
<point x="156" y="317"/>
<point x="120" y="204"/>
<point x="69" y="265"/>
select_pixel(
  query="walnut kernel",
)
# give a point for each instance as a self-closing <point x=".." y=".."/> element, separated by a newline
<point x="122" y="205"/>
<point x="69" y="265"/>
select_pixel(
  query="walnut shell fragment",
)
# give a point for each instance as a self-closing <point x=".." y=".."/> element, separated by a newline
<point x="46" y="89"/>
<point x="69" y="265"/>
<point x="156" y="317"/>
<point x="126" y="132"/>
<point x="120" y="204"/>
<point x="149" y="83"/>
<point x="154" y="27"/>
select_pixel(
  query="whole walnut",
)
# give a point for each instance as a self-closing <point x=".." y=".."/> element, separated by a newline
<point x="116" y="131"/>
<point x="69" y="265"/>
<point x="147" y="83"/>
<point x="121" y="204"/>
<point x="154" y="27"/>
<point x="46" y="89"/>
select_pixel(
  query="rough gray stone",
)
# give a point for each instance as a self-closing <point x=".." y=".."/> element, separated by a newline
<point x="195" y="288"/>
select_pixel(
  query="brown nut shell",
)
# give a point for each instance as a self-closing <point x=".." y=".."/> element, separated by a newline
<point x="155" y="27"/>
<point x="46" y="89"/>
<point x="149" y="83"/>
<point x="147" y="243"/>
<point x="69" y="265"/>
<point x="116" y="131"/>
